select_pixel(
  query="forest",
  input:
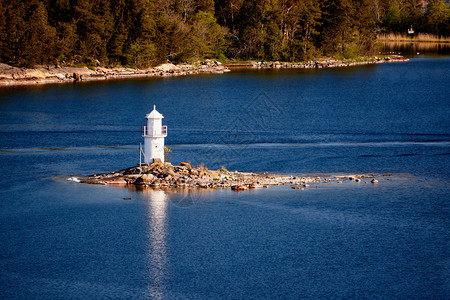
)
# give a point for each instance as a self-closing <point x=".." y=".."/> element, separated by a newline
<point x="143" y="33"/>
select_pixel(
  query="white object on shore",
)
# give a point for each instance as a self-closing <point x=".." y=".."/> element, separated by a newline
<point x="154" y="134"/>
<point x="73" y="179"/>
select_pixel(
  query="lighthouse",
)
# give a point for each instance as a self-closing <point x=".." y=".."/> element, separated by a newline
<point x="154" y="134"/>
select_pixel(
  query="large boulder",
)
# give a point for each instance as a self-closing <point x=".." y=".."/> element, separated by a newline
<point x="145" y="179"/>
<point x="276" y="65"/>
<point x="148" y="177"/>
<point x="169" y="68"/>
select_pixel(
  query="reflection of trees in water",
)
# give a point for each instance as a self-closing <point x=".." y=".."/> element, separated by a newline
<point x="413" y="48"/>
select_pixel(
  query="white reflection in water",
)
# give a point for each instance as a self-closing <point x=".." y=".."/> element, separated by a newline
<point x="157" y="216"/>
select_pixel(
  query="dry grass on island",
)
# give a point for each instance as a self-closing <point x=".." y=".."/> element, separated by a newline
<point x="417" y="38"/>
<point x="166" y="175"/>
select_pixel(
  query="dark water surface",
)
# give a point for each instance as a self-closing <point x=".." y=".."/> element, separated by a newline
<point x="61" y="239"/>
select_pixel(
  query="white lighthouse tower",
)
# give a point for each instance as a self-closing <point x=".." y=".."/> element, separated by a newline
<point x="154" y="134"/>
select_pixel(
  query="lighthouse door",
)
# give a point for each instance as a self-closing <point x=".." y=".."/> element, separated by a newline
<point x="158" y="150"/>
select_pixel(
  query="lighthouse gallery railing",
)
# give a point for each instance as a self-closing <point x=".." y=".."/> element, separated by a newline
<point x="146" y="131"/>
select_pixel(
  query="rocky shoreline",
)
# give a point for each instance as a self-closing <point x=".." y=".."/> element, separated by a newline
<point x="10" y="76"/>
<point x="13" y="76"/>
<point x="185" y="176"/>
<point x="318" y="64"/>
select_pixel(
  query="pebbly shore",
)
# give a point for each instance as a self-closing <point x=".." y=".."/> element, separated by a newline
<point x="12" y="76"/>
<point x="185" y="176"/>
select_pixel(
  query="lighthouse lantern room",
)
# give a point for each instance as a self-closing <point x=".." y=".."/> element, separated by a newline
<point x="154" y="134"/>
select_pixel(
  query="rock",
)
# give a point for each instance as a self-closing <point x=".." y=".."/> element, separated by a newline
<point x="255" y="186"/>
<point x="276" y="64"/>
<point x="60" y="76"/>
<point x="77" y="76"/>
<point x="374" y="181"/>
<point x="144" y="179"/>
<point x="167" y="68"/>
<point x="238" y="188"/>
<point x="185" y="164"/>
<point x="132" y="177"/>
<point x="115" y="180"/>
<point x="147" y="178"/>
<point x="162" y="175"/>
<point x="156" y="161"/>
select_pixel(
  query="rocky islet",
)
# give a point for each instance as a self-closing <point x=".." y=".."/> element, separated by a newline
<point x="159" y="175"/>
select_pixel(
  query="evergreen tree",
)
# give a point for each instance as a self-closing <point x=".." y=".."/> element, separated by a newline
<point x="208" y="36"/>
<point x="94" y="24"/>
<point x="147" y="32"/>
<point x="13" y="33"/>
<point x="3" y="34"/>
<point x="348" y="30"/>
<point x="310" y="14"/>
<point x="39" y="38"/>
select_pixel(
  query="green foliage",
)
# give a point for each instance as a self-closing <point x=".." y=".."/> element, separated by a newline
<point x="431" y="16"/>
<point x="143" y="33"/>
<point x="437" y="17"/>
<point x="394" y="19"/>
<point x="208" y="36"/>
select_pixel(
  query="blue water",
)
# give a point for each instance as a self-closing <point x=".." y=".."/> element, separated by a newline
<point x="61" y="239"/>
